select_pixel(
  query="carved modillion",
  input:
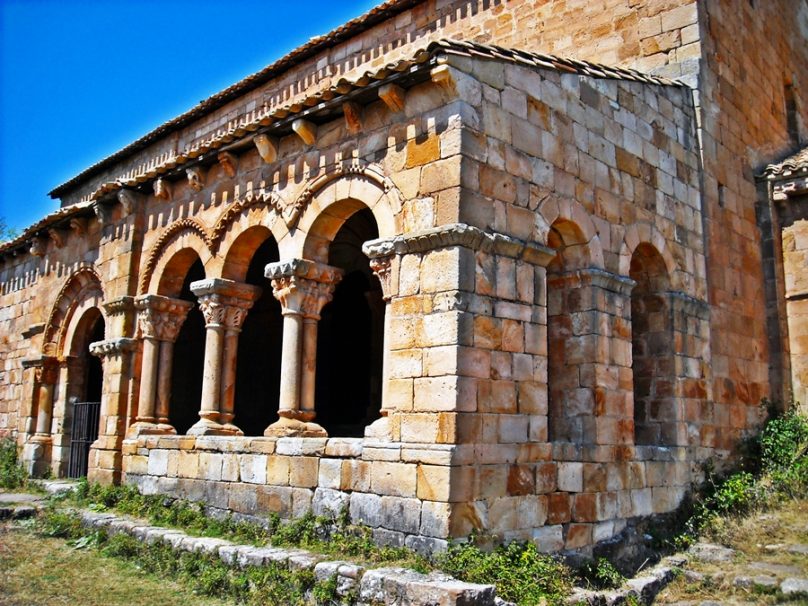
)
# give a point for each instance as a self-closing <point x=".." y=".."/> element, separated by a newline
<point x="306" y="130"/>
<point x="353" y="116"/>
<point x="58" y="237"/>
<point x="229" y="163"/>
<point x="267" y="147"/>
<point x="196" y="177"/>
<point x="162" y="190"/>
<point x="393" y="96"/>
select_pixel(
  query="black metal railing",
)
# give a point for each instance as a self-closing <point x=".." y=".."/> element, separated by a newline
<point x="85" y="432"/>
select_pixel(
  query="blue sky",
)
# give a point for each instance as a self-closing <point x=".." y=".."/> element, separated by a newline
<point x="79" y="79"/>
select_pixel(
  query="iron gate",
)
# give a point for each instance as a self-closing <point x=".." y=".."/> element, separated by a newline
<point x="85" y="432"/>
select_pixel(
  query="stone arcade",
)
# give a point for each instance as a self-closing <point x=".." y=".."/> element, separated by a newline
<point x="443" y="284"/>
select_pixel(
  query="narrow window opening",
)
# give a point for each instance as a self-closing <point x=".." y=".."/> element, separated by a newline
<point x="791" y="113"/>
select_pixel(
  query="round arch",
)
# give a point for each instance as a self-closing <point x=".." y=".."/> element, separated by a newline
<point x="180" y="236"/>
<point x="239" y="253"/>
<point x="332" y="199"/>
<point x="648" y="235"/>
<point x="567" y="212"/>
<point x="82" y="290"/>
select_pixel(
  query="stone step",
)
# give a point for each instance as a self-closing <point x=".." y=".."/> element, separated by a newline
<point x="375" y="586"/>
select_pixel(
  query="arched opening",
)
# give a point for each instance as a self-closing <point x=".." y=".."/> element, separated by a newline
<point x="189" y="349"/>
<point x="350" y="335"/>
<point x="652" y="349"/>
<point x="571" y="404"/>
<point x="258" y="373"/>
<point x="85" y="387"/>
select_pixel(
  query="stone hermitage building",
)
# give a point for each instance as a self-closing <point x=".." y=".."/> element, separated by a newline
<point x="514" y="266"/>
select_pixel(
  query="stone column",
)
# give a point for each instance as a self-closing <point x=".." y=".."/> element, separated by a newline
<point x="105" y="453"/>
<point x="381" y="254"/>
<point x="224" y="303"/>
<point x="46" y="376"/>
<point x="234" y="320"/>
<point x="303" y="287"/>
<point x="159" y="322"/>
<point x="37" y="450"/>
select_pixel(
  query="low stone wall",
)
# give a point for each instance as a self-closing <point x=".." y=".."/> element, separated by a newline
<point x="382" y="484"/>
<point x="415" y="495"/>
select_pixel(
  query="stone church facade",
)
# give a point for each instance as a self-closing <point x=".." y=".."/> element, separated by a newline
<point x="510" y="266"/>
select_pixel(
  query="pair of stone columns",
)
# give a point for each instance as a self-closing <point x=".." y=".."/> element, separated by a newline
<point x="303" y="288"/>
<point x="46" y="374"/>
<point x="159" y="322"/>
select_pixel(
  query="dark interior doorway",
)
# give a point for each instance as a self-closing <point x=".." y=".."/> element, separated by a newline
<point x="189" y="359"/>
<point x="85" y="406"/>
<point x="350" y="336"/>
<point x="258" y="375"/>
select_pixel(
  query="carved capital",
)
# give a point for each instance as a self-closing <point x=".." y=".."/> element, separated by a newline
<point x="112" y="347"/>
<point x="160" y="317"/>
<point x="224" y="302"/>
<point x="381" y="267"/>
<point x="47" y="370"/>
<point x="303" y="287"/>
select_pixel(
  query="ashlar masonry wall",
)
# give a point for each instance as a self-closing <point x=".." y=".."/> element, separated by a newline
<point x="465" y="442"/>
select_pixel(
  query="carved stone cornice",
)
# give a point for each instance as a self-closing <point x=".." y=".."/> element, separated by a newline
<point x="303" y="287"/>
<point x="119" y="306"/>
<point x="161" y="317"/>
<point x="460" y="234"/>
<point x="112" y="347"/>
<point x="225" y="303"/>
<point x="593" y="277"/>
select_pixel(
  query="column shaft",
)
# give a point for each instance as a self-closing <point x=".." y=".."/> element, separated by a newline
<point x="290" y="364"/>
<point x="229" y="380"/>
<point x="148" y="380"/>
<point x="309" y="367"/>
<point x="164" y="384"/>
<point x="45" y="412"/>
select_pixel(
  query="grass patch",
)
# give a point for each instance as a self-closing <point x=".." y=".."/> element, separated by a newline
<point x="44" y="571"/>
<point x="12" y="473"/>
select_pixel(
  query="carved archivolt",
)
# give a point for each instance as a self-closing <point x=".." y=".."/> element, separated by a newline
<point x="235" y="210"/>
<point x="354" y="167"/>
<point x="80" y="286"/>
<point x="173" y="230"/>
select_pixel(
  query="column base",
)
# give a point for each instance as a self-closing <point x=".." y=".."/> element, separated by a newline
<point x="36" y="454"/>
<point x="291" y="428"/>
<point x="380" y="429"/>
<point x="206" y="427"/>
<point x="144" y="428"/>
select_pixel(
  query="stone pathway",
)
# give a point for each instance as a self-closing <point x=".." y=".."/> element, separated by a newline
<point x="755" y="577"/>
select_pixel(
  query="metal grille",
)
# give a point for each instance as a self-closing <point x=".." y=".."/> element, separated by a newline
<point x="85" y="432"/>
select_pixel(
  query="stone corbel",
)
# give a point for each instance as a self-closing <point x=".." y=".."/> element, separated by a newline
<point x="78" y="225"/>
<point x="307" y="131"/>
<point x="196" y="178"/>
<point x="162" y="190"/>
<point x="229" y="163"/>
<point x="393" y="96"/>
<point x="58" y="237"/>
<point x="443" y="77"/>
<point x="267" y="147"/>
<point x="353" y="116"/>
<point x="38" y="247"/>
<point x="102" y="212"/>
<point x="129" y="199"/>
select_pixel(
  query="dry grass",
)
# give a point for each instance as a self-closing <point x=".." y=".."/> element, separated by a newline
<point x="786" y="524"/>
<point x="37" y="571"/>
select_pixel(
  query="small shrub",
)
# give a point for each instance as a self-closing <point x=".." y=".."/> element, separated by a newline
<point x="12" y="473"/>
<point x="520" y="572"/>
<point x="60" y="524"/>
<point x="325" y="592"/>
<point x="601" y="574"/>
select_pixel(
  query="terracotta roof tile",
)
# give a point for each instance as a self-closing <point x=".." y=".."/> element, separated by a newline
<point x="793" y="165"/>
